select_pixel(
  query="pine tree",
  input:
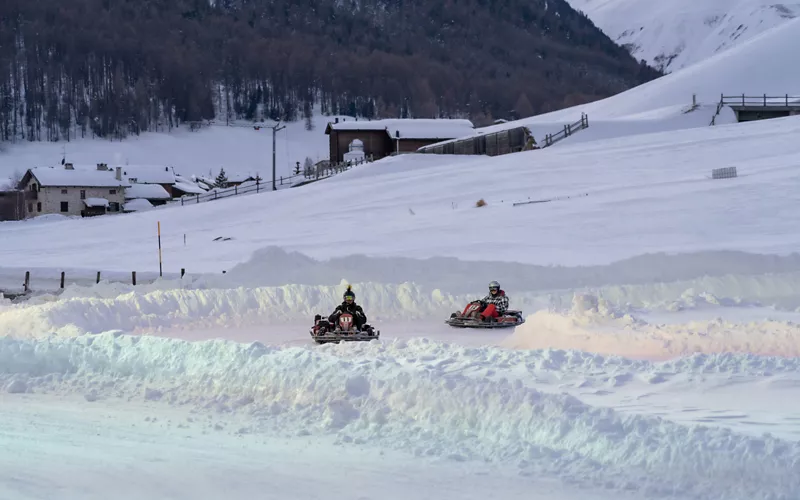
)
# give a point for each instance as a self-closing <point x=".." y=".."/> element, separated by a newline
<point x="308" y="115"/>
<point x="222" y="179"/>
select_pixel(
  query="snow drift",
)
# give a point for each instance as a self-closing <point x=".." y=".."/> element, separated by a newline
<point x="594" y="325"/>
<point x="382" y="400"/>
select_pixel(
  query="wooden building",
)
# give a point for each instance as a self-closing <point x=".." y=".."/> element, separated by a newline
<point x="381" y="138"/>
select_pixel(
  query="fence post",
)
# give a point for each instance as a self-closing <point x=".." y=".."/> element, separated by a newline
<point x="787" y="100"/>
<point x="236" y="189"/>
<point x="63" y="274"/>
<point x="27" y="284"/>
<point x="133" y="277"/>
<point x="198" y="198"/>
<point x="257" y="183"/>
<point x="98" y="277"/>
<point x="181" y="200"/>
<point x="765" y="100"/>
<point x="743" y="100"/>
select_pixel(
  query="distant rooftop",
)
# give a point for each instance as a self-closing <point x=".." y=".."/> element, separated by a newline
<point x="410" y="128"/>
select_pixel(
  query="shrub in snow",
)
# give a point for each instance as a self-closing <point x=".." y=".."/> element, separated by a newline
<point x="480" y="203"/>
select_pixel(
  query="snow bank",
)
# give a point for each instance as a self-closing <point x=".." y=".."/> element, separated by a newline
<point x="225" y="308"/>
<point x="430" y="411"/>
<point x="594" y="325"/>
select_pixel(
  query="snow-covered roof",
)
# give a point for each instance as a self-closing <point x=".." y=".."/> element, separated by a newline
<point x="136" y="205"/>
<point x="412" y="128"/>
<point x="62" y="177"/>
<point x="96" y="202"/>
<point x="147" y="191"/>
<point x="237" y="177"/>
<point x="147" y="174"/>
<point x="189" y="187"/>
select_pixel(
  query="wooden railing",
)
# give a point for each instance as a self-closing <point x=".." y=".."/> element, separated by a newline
<point x="261" y="185"/>
<point x="567" y="131"/>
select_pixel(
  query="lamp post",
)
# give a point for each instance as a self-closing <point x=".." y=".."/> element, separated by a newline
<point x="275" y="129"/>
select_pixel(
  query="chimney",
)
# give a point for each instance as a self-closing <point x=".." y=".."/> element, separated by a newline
<point x="68" y="166"/>
<point x="118" y="173"/>
<point x="102" y="167"/>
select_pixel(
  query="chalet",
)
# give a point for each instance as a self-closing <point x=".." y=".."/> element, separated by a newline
<point x="238" y="180"/>
<point x="149" y="174"/>
<point x="153" y="193"/>
<point x="380" y="138"/>
<point x="186" y="186"/>
<point x="67" y="191"/>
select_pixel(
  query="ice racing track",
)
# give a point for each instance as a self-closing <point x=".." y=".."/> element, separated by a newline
<point x="169" y="369"/>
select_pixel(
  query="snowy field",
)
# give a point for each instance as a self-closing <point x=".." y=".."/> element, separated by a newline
<point x="238" y="148"/>
<point x="660" y="356"/>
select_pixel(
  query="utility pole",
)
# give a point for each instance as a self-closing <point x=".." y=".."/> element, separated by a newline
<point x="275" y="129"/>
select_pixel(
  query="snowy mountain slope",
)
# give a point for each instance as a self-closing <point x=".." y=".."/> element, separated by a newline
<point x="756" y="67"/>
<point x="679" y="33"/>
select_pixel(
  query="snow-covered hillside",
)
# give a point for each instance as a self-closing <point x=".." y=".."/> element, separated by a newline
<point x="678" y="33"/>
<point x="648" y="193"/>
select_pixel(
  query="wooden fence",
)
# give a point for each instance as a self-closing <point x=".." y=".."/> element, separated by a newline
<point x="510" y="140"/>
<point x="319" y="172"/>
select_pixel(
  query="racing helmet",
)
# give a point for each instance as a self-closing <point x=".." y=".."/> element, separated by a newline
<point x="349" y="295"/>
<point x="494" y="287"/>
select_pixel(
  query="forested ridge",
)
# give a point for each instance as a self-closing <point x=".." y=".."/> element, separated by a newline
<point x="111" y="68"/>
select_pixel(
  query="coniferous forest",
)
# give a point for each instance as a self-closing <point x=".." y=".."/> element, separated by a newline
<point x="111" y="68"/>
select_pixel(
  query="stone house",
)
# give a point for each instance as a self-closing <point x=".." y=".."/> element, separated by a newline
<point x="67" y="191"/>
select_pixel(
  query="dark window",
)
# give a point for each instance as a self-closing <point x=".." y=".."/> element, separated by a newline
<point x="65" y="206"/>
<point x="83" y="194"/>
<point x="39" y="206"/>
<point x="112" y="191"/>
<point x="63" y="191"/>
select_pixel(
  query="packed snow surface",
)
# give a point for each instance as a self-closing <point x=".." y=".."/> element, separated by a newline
<point x="430" y="398"/>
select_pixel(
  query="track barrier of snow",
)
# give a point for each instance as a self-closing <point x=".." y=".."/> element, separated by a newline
<point x="593" y="324"/>
<point x="409" y="397"/>
<point x="157" y="309"/>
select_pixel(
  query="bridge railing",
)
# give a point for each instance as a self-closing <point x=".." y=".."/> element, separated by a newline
<point x="785" y="100"/>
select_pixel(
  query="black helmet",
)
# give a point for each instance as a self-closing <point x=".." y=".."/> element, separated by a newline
<point x="349" y="293"/>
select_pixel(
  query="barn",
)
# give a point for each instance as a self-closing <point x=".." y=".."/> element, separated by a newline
<point x="382" y="138"/>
